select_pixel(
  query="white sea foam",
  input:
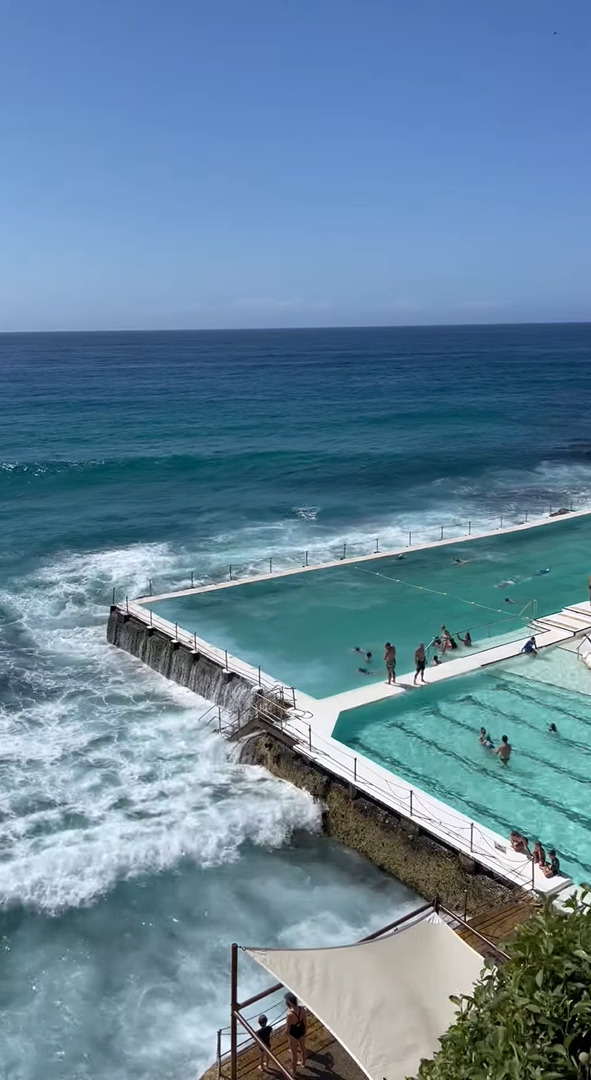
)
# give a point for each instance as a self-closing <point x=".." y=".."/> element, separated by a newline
<point x="113" y="772"/>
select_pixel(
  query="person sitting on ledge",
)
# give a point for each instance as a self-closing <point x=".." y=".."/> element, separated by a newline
<point x="530" y="648"/>
<point x="538" y="854"/>
<point x="519" y="842"/>
<point x="551" y="868"/>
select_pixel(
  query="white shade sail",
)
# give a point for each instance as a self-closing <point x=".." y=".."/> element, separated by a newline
<point x="386" y="1001"/>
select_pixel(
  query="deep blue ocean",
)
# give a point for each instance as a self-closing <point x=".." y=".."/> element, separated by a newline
<point x="133" y="847"/>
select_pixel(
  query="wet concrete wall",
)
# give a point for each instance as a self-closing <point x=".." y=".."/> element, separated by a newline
<point x="181" y="664"/>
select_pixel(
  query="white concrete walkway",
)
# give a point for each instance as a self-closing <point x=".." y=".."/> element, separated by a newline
<point x="352" y="560"/>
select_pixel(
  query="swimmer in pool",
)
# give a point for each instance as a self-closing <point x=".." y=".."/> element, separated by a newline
<point x="484" y="739"/>
<point x="466" y="639"/>
<point x="366" y="671"/>
<point x="540" y="573"/>
<point x="552" y="729"/>
<point x="505" y="584"/>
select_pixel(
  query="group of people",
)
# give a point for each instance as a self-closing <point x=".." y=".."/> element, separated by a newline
<point x="503" y="750"/>
<point x="550" y="866"/>
<point x="295" y="1026"/>
<point x="444" y="641"/>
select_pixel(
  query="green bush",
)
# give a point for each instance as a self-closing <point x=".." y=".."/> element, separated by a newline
<point x="529" y="1019"/>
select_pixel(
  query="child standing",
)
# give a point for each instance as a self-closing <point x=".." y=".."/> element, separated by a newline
<point x="264" y="1034"/>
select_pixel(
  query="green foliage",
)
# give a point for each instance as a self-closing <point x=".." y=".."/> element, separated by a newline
<point x="529" y="1019"/>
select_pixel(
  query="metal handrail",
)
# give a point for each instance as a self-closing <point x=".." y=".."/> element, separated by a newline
<point x="471" y="528"/>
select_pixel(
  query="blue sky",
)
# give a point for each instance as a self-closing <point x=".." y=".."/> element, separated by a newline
<point x="237" y="163"/>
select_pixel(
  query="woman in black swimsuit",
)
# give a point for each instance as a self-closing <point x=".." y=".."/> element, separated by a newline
<point x="295" y="1025"/>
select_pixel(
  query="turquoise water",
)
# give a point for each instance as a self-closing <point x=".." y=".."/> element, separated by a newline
<point x="430" y="738"/>
<point x="133" y="847"/>
<point x="302" y="629"/>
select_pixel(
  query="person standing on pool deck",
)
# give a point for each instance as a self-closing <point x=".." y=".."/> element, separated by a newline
<point x="420" y="663"/>
<point x="390" y="662"/>
<point x="504" y="750"/>
<point x="295" y="1025"/>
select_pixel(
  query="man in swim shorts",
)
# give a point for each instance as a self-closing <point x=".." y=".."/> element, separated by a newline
<point x="504" y="750"/>
<point x="390" y="662"/>
<point x="420" y="663"/>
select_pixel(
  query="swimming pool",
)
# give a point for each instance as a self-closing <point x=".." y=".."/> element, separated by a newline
<point x="302" y="629"/>
<point x="430" y="738"/>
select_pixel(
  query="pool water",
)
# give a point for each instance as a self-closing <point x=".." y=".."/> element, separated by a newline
<point x="430" y="738"/>
<point x="302" y="629"/>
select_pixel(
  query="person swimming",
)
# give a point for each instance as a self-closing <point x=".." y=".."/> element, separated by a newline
<point x="485" y="740"/>
<point x="540" y="573"/>
<point x="505" y="584"/>
<point x="552" y="729"/>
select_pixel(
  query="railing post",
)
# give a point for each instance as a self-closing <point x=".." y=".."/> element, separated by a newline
<point x="469" y="528"/>
<point x="259" y="674"/>
<point x="176" y="630"/>
<point x="410" y="539"/>
<point x="195" y="640"/>
<point x="233" y="1010"/>
<point x="355" y="769"/>
<point x="526" y="513"/>
<point x="127" y="605"/>
<point x="306" y="562"/>
<point x="571" y="506"/>
<point x="113" y="596"/>
<point x="226" y="654"/>
<point x="309" y="736"/>
<point x="344" y="551"/>
<point x="441" y="533"/>
<point x="230" y="571"/>
<point x="270" y="566"/>
<point x="293" y="695"/>
<point x="150" y="616"/>
<point x="192" y="580"/>
<point x="219" y="1053"/>
<point x="501" y="525"/>
<point x="471" y="836"/>
<point x="377" y="550"/>
<point x="150" y="587"/>
<point x="410" y="801"/>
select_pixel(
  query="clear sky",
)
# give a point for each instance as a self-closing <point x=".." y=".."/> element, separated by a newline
<point x="237" y="163"/>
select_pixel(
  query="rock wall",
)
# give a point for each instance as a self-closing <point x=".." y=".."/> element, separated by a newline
<point x="395" y="844"/>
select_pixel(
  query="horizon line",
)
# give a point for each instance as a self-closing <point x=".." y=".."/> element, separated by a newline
<point x="303" y="329"/>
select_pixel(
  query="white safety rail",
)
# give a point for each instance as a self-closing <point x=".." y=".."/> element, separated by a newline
<point x="221" y="657"/>
<point x="347" y="559"/>
<point x="584" y="651"/>
<point x="455" y="829"/>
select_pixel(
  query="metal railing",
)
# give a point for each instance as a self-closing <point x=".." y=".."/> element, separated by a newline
<point x="221" y="657"/>
<point x="456" y="829"/>
<point x="351" y="550"/>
